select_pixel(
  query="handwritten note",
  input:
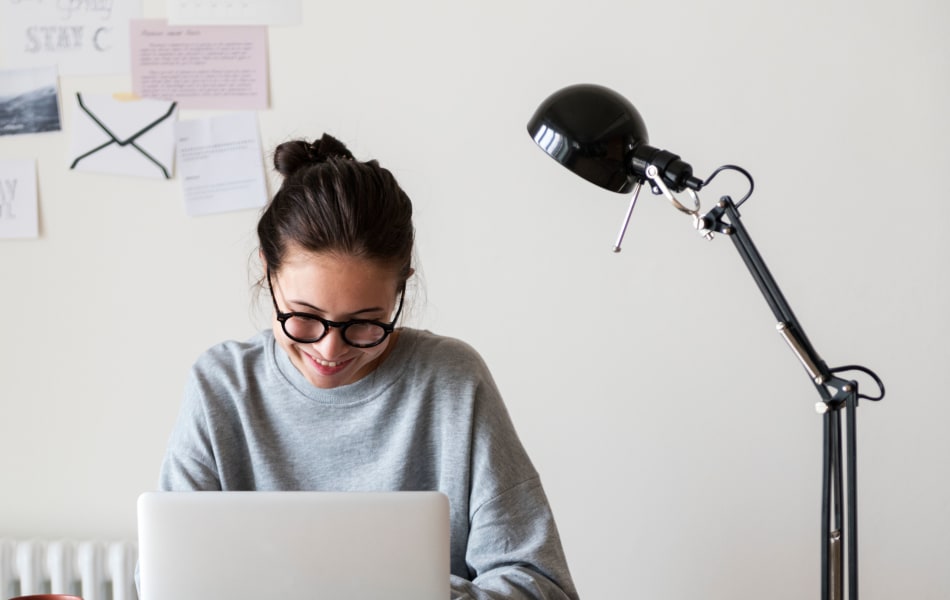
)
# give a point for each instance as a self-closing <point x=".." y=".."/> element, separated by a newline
<point x="19" y="213"/>
<point x="200" y="67"/>
<point x="220" y="163"/>
<point x="82" y="37"/>
<point x="233" y="12"/>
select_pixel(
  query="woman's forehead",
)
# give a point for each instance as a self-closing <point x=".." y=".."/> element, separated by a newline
<point x="298" y="259"/>
<point x="322" y="272"/>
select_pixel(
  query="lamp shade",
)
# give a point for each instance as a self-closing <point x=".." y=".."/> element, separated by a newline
<point x="592" y="131"/>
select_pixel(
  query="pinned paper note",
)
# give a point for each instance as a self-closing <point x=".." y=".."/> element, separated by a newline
<point x="19" y="209"/>
<point x="82" y="38"/>
<point x="245" y="12"/>
<point x="221" y="164"/>
<point x="200" y="67"/>
<point x="123" y="137"/>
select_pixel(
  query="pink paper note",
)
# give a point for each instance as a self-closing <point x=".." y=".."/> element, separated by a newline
<point x="213" y="67"/>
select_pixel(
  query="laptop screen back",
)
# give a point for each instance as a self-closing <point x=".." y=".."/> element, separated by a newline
<point x="257" y="545"/>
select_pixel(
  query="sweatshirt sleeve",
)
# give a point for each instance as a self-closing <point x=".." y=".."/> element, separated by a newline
<point x="514" y="550"/>
<point x="189" y="462"/>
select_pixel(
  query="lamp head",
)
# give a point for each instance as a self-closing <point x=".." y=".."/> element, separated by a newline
<point x="592" y="131"/>
<point x="596" y="133"/>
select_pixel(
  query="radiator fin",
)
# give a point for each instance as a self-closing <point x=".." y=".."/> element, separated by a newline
<point x="94" y="570"/>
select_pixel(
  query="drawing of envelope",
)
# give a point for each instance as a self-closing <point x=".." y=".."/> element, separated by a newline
<point x="123" y="137"/>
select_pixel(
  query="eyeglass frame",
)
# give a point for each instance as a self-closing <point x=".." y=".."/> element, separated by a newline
<point x="283" y="317"/>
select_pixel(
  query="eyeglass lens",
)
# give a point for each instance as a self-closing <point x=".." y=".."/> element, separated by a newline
<point x="356" y="334"/>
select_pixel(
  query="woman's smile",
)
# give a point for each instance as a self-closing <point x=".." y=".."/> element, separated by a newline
<point x="328" y="368"/>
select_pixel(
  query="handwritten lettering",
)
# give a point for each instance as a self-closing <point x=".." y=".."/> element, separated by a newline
<point x="195" y="54"/>
<point x="100" y="41"/>
<point x="102" y="8"/>
<point x="7" y="196"/>
<point x="53" y="38"/>
<point x="199" y="83"/>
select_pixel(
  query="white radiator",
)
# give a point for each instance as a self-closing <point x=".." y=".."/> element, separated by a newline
<point x="92" y="570"/>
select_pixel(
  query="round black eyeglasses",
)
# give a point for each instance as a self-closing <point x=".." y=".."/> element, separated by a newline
<point x="307" y="328"/>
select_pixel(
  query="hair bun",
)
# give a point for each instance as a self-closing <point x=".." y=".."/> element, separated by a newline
<point x="294" y="155"/>
<point x="328" y="147"/>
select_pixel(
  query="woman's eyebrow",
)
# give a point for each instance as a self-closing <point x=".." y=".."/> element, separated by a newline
<point x="320" y="310"/>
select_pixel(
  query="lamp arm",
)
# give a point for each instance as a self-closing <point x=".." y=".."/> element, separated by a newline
<point x="724" y="218"/>
<point x="836" y="393"/>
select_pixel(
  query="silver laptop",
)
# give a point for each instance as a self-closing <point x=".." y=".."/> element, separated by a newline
<point x="262" y="545"/>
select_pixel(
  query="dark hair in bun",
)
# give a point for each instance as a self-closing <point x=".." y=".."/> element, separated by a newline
<point x="292" y="156"/>
<point x="330" y="202"/>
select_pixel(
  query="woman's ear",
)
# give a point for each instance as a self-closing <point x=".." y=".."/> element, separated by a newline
<point x="265" y="268"/>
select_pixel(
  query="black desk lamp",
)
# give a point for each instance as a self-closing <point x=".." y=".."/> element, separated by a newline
<point x="599" y="135"/>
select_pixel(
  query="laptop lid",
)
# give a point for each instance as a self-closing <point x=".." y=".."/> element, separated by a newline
<point x="257" y="545"/>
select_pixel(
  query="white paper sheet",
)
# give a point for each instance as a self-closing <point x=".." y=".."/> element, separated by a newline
<point x="123" y="137"/>
<point x="82" y="38"/>
<point x="233" y="12"/>
<point x="221" y="164"/>
<point x="19" y="208"/>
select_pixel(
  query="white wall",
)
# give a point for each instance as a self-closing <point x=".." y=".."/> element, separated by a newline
<point x="674" y="430"/>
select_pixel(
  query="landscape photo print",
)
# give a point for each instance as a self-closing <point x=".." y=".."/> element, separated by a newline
<point x="29" y="101"/>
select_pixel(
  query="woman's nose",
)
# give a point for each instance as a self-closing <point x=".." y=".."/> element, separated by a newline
<point x="332" y="345"/>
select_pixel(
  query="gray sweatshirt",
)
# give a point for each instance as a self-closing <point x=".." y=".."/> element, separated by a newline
<point x="428" y="418"/>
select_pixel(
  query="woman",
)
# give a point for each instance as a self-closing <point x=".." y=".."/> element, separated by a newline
<point x="335" y="397"/>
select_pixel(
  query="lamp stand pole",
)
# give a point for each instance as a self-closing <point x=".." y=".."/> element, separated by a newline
<point x="839" y="540"/>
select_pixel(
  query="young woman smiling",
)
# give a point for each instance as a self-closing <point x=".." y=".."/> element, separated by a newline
<point x="335" y="397"/>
